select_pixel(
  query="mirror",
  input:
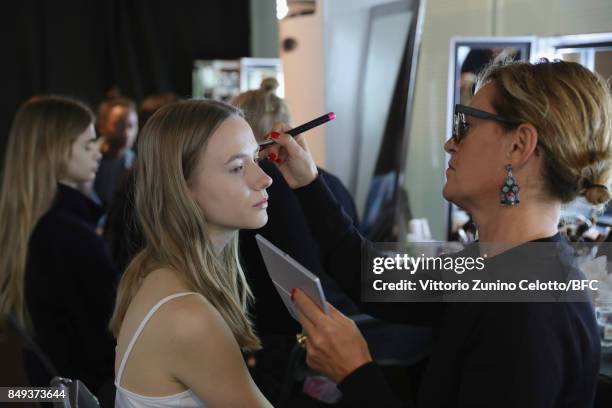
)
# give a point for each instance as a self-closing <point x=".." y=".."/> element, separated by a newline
<point x="387" y="78"/>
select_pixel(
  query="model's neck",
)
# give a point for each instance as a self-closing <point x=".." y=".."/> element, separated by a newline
<point x="219" y="237"/>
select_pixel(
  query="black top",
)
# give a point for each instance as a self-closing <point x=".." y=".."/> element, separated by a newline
<point x="69" y="289"/>
<point x="122" y="230"/>
<point x="110" y="173"/>
<point x="485" y="354"/>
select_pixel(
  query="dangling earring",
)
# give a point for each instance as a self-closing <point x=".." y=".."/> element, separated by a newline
<point x="510" y="190"/>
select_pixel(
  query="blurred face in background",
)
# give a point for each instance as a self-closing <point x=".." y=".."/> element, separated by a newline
<point x="82" y="164"/>
<point x="120" y="128"/>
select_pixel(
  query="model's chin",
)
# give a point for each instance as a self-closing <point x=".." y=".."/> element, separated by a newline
<point x="259" y="221"/>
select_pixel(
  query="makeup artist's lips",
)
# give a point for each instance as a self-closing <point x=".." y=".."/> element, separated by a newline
<point x="262" y="204"/>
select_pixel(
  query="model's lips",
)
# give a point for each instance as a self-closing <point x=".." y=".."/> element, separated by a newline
<point x="262" y="202"/>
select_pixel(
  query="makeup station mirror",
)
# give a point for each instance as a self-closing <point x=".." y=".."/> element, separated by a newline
<point x="388" y="77"/>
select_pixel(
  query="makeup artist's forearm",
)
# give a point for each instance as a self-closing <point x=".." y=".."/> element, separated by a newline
<point x="341" y="246"/>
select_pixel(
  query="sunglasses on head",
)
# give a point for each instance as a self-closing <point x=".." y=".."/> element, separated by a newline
<point x="460" y="125"/>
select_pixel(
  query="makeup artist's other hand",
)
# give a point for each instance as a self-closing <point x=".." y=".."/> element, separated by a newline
<point x="292" y="157"/>
<point x="335" y="346"/>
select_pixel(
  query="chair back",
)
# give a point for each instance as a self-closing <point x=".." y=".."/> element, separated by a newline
<point x="23" y="362"/>
<point x="78" y="394"/>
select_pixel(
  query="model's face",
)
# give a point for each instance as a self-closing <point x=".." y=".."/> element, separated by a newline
<point x="476" y="166"/>
<point x="121" y="127"/>
<point x="227" y="182"/>
<point x="82" y="165"/>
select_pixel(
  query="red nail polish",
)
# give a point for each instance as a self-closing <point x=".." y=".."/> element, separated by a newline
<point x="272" y="156"/>
<point x="293" y="295"/>
<point x="278" y="161"/>
<point x="274" y="135"/>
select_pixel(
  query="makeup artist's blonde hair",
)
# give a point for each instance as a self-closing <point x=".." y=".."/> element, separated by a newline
<point x="263" y="108"/>
<point x="174" y="225"/>
<point x="39" y="146"/>
<point x="571" y="108"/>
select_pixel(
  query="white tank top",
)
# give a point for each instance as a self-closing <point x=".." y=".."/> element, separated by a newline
<point x="128" y="399"/>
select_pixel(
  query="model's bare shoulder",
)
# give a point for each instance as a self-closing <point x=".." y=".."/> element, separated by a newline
<point x="192" y="326"/>
<point x="204" y="355"/>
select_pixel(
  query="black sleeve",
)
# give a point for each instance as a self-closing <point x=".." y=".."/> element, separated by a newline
<point x="523" y="356"/>
<point x="341" y="247"/>
<point x="70" y="290"/>
<point x="95" y="281"/>
<point x="122" y="231"/>
<point x="367" y="387"/>
<point x="342" y="195"/>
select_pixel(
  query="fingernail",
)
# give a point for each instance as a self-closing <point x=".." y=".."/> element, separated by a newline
<point x="293" y="295"/>
<point x="274" y="135"/>
<point x="272" y="156"/>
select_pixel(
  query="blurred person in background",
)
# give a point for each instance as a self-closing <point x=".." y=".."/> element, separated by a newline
<point x="118" y="127"/>
<point x="56" y="276"/>
<point x="121" y="230"/>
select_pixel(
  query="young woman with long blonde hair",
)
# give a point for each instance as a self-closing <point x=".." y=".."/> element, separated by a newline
<point x="56" y="277"/>
<point x="181" y="311"/>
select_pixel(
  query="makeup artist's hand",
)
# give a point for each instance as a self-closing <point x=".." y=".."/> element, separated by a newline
<point x="335" y="346"/>
<point x="292" y="157"/>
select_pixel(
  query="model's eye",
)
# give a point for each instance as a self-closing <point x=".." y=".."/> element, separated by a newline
<point x="237" y="169"/>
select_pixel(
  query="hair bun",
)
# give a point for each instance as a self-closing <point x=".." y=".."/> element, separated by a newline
<point x="269" y="84"/>
<point x="597" y="194"/>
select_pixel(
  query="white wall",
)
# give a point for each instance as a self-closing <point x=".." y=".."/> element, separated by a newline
<point x="305" y="75"/>
<point x="264" y="29"/>
<point x="321" y="75"/>
<point x="445" y="19"/>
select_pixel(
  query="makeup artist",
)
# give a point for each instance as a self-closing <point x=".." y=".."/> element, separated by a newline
<point x="547" y="125"/>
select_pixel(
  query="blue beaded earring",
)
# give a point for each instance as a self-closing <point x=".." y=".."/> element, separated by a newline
<point x="510" y="190"/>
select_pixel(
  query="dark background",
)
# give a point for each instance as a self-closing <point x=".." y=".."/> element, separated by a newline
<point x="83" y="48"/>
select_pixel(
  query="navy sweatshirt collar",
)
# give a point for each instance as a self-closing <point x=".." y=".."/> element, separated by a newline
<point x="75" y="202"/>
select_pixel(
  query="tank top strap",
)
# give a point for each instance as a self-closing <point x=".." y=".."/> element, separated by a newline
<point x="141" y="328"/>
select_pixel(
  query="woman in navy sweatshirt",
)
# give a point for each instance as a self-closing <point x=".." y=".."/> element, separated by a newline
<point x="56" y="276"/>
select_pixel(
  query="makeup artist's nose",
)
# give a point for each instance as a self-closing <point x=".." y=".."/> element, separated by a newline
<point x="450" y="146"/>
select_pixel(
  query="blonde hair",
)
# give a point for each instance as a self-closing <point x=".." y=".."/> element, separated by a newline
<point x="174" y="225"/>
<point x="262" y="108"/>
<point x="571" y="108"/>
<point x="39" y="144"/>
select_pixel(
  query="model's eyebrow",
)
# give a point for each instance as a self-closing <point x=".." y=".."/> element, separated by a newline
<point x="242" y="155"/>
